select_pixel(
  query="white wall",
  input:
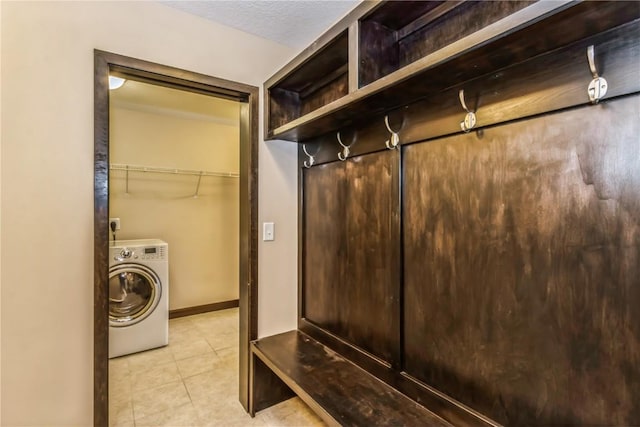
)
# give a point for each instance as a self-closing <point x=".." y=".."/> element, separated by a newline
<point x="47" y="185"/>
<point x="0" y="218"/>
<point x="280" y="295"/>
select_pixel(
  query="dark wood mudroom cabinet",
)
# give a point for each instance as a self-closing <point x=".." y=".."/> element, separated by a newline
<point x="486" y="267"/>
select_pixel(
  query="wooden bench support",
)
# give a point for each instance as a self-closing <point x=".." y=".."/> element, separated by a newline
<point x="271" y="389"/>
<point x="340" y="392"/>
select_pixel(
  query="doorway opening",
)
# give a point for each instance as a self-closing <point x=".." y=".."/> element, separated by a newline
<point x="244" y="99"/>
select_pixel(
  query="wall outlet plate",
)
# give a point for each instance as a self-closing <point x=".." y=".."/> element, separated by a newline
<point x="117" y="221"/>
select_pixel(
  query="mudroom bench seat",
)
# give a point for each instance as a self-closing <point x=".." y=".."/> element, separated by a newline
<point x="340" y="392"/>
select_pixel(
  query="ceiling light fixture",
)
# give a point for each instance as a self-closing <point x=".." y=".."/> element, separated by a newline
<point x="115" y="82"/>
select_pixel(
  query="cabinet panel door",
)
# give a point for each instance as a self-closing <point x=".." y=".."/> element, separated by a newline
<point x="351" y="251"/>
<point x="522" y="267"/>
<point x="325" y="249"/>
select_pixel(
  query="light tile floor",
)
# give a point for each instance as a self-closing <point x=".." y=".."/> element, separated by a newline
<point x="192" y="382"/>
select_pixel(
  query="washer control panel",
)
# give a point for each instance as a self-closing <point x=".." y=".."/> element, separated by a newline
<point x="139" y="253"/>
<point x="151" y="252"/>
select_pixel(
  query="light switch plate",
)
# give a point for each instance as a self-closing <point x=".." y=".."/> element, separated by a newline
<point x="268" y="232"/>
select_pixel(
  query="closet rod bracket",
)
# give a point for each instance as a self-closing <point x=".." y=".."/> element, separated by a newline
<point x="195" y="195"/>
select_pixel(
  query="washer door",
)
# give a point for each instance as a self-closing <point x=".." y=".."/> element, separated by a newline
<point x="134" y="292"/>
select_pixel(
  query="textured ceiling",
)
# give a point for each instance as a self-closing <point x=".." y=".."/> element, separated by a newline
<point x="294" y="23"/>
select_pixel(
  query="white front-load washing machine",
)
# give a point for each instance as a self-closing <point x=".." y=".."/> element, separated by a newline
<point x="138" y="296"/>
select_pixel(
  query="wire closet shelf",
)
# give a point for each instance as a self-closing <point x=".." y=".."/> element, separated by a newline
<point x="154" y="169"/>
<point x="172" y="171"/>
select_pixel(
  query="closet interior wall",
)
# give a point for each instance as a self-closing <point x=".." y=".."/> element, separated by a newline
<point x="197" y="214"/>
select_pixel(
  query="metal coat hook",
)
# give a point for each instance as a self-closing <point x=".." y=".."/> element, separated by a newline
<point x="311" y="161"/>
<point x="394" y="139"/>
<point x="344" y="154"/>
<point x="469" y="121"/>
<point x="598" y="87"/>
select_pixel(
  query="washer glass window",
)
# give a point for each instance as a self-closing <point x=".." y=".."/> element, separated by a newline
<point x="134" y="292"/>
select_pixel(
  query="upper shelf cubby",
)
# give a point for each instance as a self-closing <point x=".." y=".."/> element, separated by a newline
<point x="321" y="79"/>
<point x="386" y="55"/>
<point x="399" y="33"/>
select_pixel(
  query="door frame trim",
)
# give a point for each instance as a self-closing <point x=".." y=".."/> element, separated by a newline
<point x="106" y="63"/>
